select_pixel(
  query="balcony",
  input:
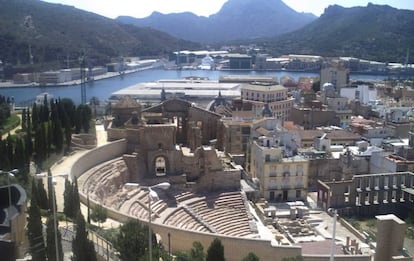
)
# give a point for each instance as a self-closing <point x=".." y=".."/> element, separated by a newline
<point x="286" y="174"/>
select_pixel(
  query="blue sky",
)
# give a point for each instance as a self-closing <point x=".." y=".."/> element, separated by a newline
<point x="143" y="8"/>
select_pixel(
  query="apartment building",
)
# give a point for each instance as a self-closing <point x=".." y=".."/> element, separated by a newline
<point x="276" y="96"/>
<point x="282" y="175"/>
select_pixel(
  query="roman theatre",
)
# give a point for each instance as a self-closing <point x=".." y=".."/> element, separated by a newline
<point x="174" y="142"/>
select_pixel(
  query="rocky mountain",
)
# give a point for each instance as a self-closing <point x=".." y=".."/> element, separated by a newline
<point x="374" y="32"/>
<point x="55" y="33"/>
<point x="237" y="19"/>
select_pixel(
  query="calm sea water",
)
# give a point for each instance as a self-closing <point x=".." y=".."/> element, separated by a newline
<point x="102" y="89"/>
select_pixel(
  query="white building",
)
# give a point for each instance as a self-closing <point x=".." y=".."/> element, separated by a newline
<point x="362" y="93"/>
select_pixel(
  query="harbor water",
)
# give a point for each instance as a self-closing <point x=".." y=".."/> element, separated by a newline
<point x="102" y="89"/>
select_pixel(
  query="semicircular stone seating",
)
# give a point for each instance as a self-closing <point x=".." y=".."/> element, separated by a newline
<point x="223" y="213"/>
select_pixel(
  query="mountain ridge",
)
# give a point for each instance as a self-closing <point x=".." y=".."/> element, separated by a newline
<point x="237" y="19"/>
<point x="374" y="32"/>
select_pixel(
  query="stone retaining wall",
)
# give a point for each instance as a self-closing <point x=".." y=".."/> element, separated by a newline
<point x="98" y="156"/>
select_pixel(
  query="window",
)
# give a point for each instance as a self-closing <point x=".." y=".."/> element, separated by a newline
<point x="358" y="199"/>
<point x="394" y="196"/>
<point x="160" y="166"/>
<point x="385" y="200"/>
<point x="298" y="193"/>
<point x="245" y="130"/>
<point x="368" y="183"/>
<point x="376" y="197"/>
<point x="299" y="170"/>
<point x="267" y="158"/>
<point x="376" y="182"/>
<point x="367" y="198"/>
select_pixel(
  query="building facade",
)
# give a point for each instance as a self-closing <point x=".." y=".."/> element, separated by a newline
<point x="282" y="175"/>
<point x="276" y="96"/>
<point x="369" y="194"/>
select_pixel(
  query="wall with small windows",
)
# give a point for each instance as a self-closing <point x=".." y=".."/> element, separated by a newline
<point x="369" y="195"/>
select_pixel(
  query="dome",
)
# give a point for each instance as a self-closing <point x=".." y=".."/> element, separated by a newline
<point x="327" y="86"/>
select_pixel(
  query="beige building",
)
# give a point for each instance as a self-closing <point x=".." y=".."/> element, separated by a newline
<point x="337" y="76"/>
<point x="234" y="135"/>
<point x="336" y="136"/>
<point x="282" y="175"/>
<point x="276" y="96"/>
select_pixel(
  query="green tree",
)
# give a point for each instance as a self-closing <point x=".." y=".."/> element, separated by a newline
<point x="197" y="252"/>
<point x="75" y="198"/>
<point x="50" y="239"/>
<point x="82" y="248"/>
<point x="34" y="228"/>
<point x="58" y="136"/>
<point x="215" y="251"/>
<point x="132" y="241"/>
<point x="316" y="86"/>
<point x="99" y="214"/>
<point x="83" y="118"/>
<point x="42" y="195"/>
<point x="24" y="120"/>
<point x="251" y="257"/>
<point x="68" y="199"/>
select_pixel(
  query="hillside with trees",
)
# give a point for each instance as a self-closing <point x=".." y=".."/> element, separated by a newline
<point x="374" y="32"/>
<point x="53" y="35"/>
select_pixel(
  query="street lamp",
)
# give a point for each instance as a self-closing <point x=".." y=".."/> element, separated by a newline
<point x="44" y="175"/>
<point x="152" y="195"/>
<point x="333" y="245"/>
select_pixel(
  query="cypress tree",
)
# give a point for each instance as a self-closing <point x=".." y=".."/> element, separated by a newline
<point x="24" y="120"/>
<point x="28" y="145"/>
<point x="4" y="157"/>
<point x="58" y="136"/>
<point x="50" y="239"/>
<point x="35" y="117"/>
<point x="68" y="199"/>
<point x="40" y="145"/>
<point x="21" y="161"/>
<point x="75" y="198"/>
<point x="82" y="248"/>
<point x="42" y="195"/>
<point x="10" y="149"/>
<point x="86" y="117"/>
<point x="68" y="138"/>
<point x="35" y="228"/>
<point x="78" y="119"/>
<point x="49" y="133"/>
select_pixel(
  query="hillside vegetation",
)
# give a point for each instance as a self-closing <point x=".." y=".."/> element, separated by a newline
<point x="57" y="33"/>
<point x="375" y="32"/>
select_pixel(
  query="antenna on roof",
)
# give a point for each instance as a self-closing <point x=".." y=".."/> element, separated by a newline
<point x="407" y="58"/>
